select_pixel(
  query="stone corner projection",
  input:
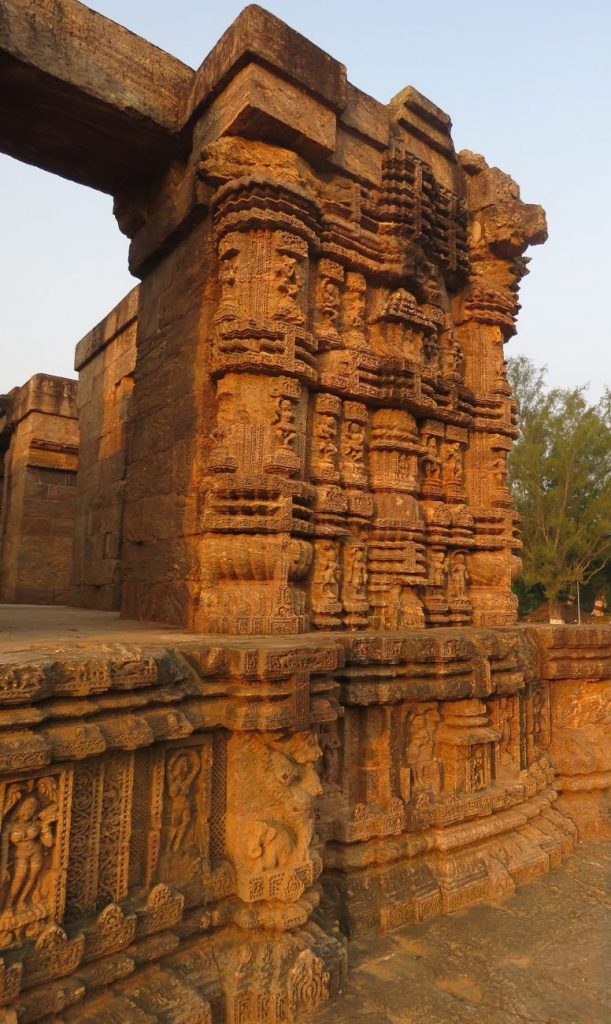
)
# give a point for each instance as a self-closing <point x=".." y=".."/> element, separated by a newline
<point x="291" y="440"/>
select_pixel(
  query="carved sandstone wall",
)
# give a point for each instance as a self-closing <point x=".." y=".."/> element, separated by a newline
<point x="186" y="830"/>
<point x="320" y="416"/>
<point x="38" y="504"/>
<point x="105" y="360"/>
<point x="315" y="454"/>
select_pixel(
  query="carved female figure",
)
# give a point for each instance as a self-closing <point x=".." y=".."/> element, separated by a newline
<point x="499" y="472"/>
<point x="454" y="358"/>
<point x="182" y="770"/>
<point x="330" y="298"/>
<point x="430" y="348"/>
<point x="25" y="838"/>
<point x="431" y="463"/>
<point x="330" y="744"/>
<point x="357" y="575"/>
<point x="477" y="771"/>
<point x="284" y="423"/>
<point x="329" y="574"/>
<point x="453" y="469"/>
<point x="354" y="441"/>
<point x="437" y="567"/>
<point x="325" y="432"/>
<point x="458" y="578"/>
<point x="288" y="284"/>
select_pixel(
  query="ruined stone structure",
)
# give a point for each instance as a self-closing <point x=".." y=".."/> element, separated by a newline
<point x="105" y="361"/>
<point x="293" y="442"/>
<point x="39" y="452"/>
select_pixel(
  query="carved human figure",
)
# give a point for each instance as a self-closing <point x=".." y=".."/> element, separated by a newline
<point x="501" y="365"/>
<point x="330" y="744"/>
<point x="454" y="358"/>
<point x="357" y="574"/>
<point x="437" y="567"/>
<point x="354" y="310"/>
<point x="402" y="465"/>
<point x="430" y="348"/>
<point x="325" y="433"/>
<point x="458" y="577"/>
<point x="453" y="465"/>
<point x="354" y="440"/>
<point x="288" y="285"/>
<point x="419" y="747"/>
<point x="328" y="574"/>
<point x="182" y="769"/>
<point x="499" y="472"/>
<point x="537" y="714"/>
<point x="284" y="423"/>
<point x="431" y="463"/>
<point x="329" y="300"/>
<point x="476" y="770"/>
<point x="295" y="780"/>
<point x="228" y="276"/>
<point x="26" y="835"/>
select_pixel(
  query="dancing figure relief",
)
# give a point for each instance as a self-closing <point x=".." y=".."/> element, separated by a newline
<point x="182" y="769"/>
<point x="431" y="463"/>
<point x="28" y="837"/>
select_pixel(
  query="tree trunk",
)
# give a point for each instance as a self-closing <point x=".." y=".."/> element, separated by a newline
<point x="555" y="609"/>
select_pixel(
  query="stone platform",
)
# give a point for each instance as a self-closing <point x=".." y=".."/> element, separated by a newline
<point x="212" y="818"/>
<point x="539" y="958"/>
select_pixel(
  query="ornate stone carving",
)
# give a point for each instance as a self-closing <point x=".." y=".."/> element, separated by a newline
<point x="319" y="422"/>
<point x="33" y="853"/>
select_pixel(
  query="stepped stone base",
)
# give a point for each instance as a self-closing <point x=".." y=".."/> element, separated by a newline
<point x="210" y="818"/>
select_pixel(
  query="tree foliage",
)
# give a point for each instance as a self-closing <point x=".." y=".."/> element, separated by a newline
<point x="560" y="477"/>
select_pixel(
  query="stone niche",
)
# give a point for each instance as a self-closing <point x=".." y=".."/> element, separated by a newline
<point x="294" y="442"/>
<point x="39" y="446"/>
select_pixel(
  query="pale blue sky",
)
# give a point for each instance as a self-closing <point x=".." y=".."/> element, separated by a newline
<point x="528" y="84"/>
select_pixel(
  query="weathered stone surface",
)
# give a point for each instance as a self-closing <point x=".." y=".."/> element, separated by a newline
<point x="538" y="957"/>
<point x="41" y="437"/>
<point x="326" y="292"/>
<point x="193" y="785"/>
<point x="294" y="440"/>
<point x="105" y="360"/>
<point x="84" y="97"/>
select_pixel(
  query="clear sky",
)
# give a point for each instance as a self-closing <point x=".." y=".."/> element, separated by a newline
<point x="527" y="83"/>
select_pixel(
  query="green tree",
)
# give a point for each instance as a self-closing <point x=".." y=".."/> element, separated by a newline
<point x="560" y="477"/>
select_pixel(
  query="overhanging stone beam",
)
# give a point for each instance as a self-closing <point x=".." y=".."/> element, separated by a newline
<point x="88" y="100"/>
<point x="85" y="98"/>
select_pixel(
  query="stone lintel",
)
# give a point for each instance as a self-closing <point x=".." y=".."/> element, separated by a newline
<point x="83" y="97"/>
<point x="89" y="100"/>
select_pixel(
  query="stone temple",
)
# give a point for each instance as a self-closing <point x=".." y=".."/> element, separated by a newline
<point x="291" y="442"/>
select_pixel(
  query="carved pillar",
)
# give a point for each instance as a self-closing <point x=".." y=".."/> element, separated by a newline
<point x="466" y="745"/>
<point x="396" y="550"/>
<point x="359" y="512"/>
<point x="501" y="228"/>
<point x="329" y="511"/>
<point x="255" y="501"/>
